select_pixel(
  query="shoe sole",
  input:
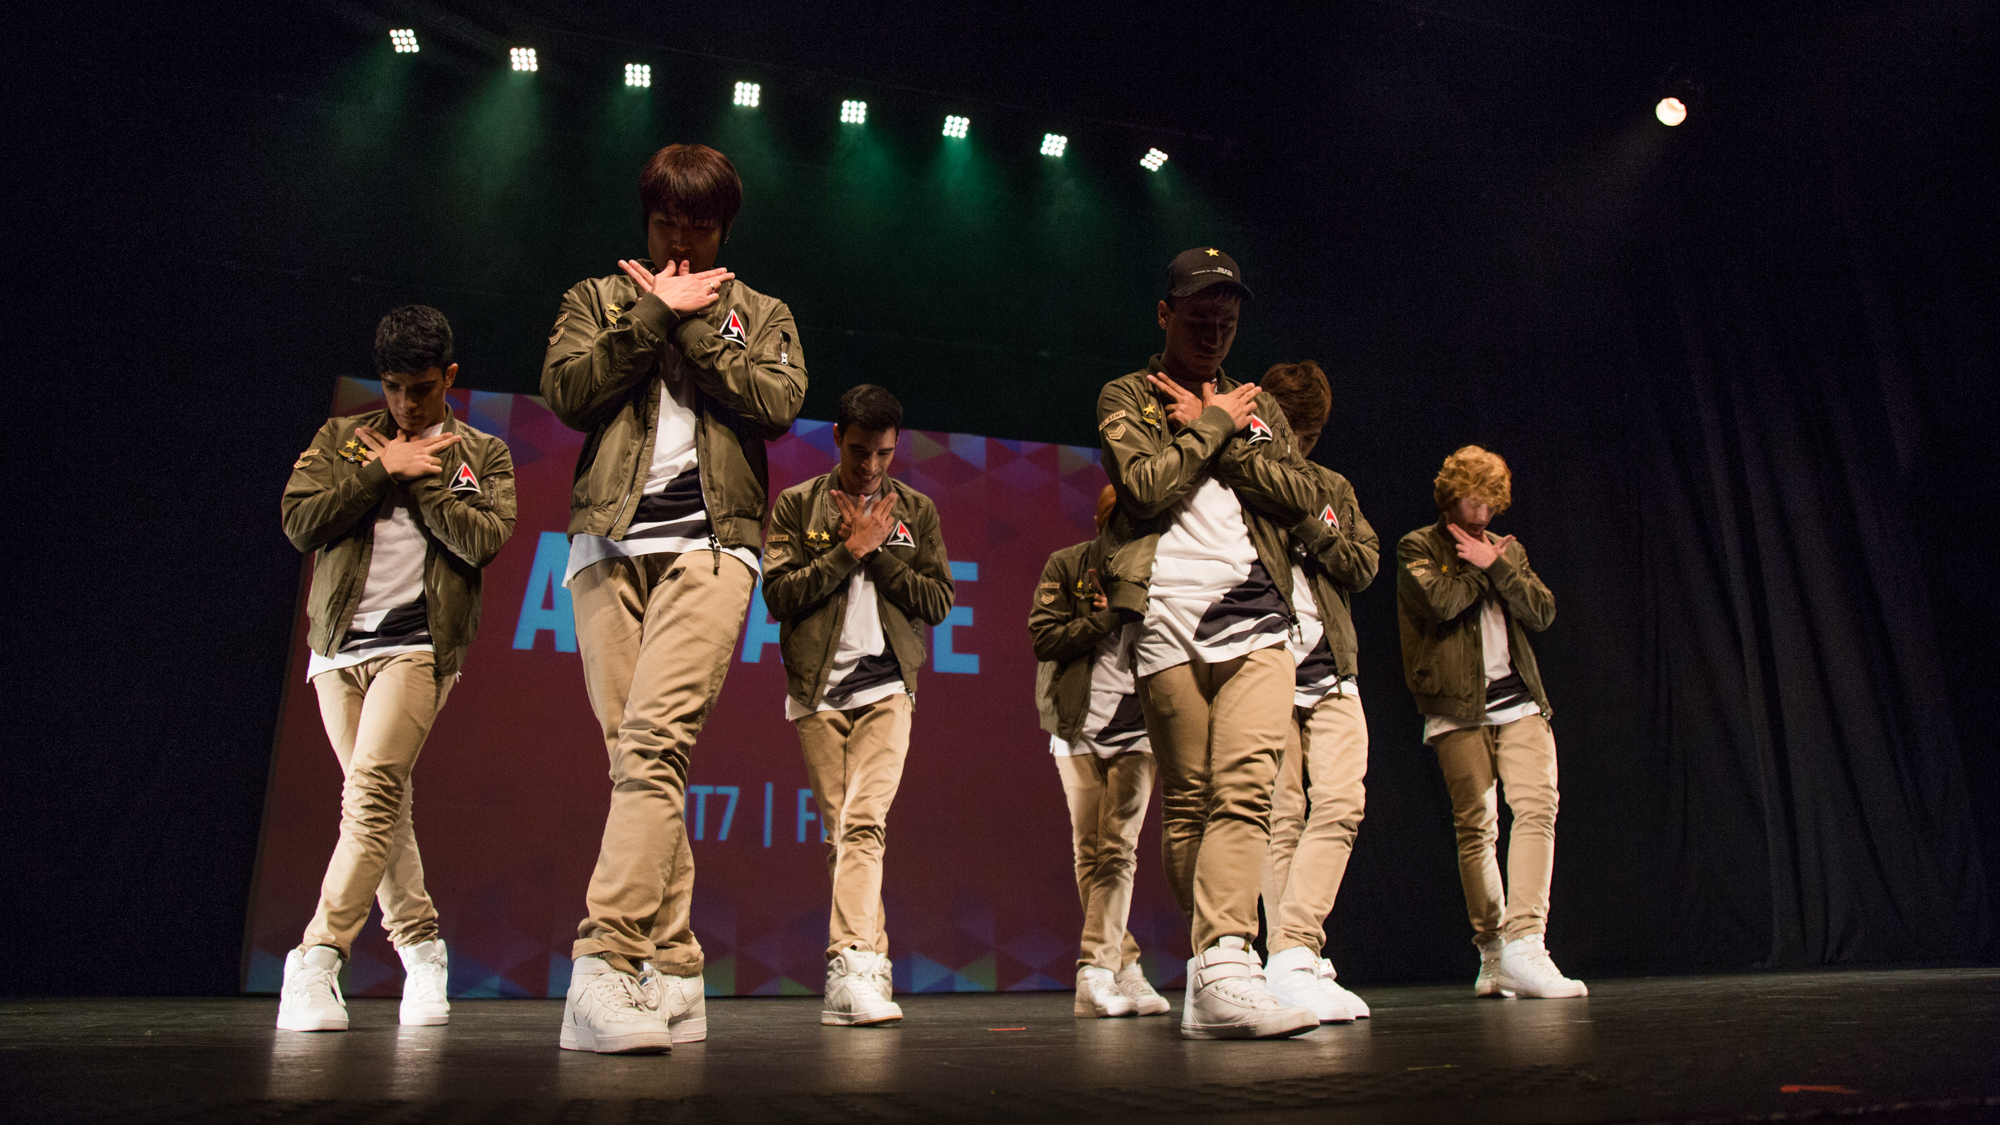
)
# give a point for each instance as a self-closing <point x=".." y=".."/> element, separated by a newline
<point x="312" y="1025"/>
<point x="1275" y="1029"/>
<point x="423" y="1021"/>
<point x="1158" y="1007"/>
<point x="850" y="1019"/>
<point x="1582" y="991"/>
<point x="1085" y="1010"/>
<point x="692" y="1030"/>
<point x="639" y="1043"/>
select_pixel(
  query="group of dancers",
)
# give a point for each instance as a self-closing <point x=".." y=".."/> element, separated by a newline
<point x="1204" y="636"/>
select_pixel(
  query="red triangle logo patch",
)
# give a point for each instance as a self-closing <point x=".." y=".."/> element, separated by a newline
<point x="1329" y="518"/>
<point x="901" y="537"/>
<point x="732" y="329"/>
<point x="1259" y="430"/>
<point x="463" y="480"/>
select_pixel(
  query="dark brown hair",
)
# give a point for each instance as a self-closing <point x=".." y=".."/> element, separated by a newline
<point x="1302" y="392"/>
<point x="694" y="182"/>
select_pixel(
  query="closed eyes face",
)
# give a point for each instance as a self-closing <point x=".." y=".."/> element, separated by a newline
<point x="675" y="238"/>
<point x="417" y="401"/>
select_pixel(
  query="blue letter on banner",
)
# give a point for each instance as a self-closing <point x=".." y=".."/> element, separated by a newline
<point x="551" y="559"/>
<point x="760" y="630"/>
<point x="943" y="657"/>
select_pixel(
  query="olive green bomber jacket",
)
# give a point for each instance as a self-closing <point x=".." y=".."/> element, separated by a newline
<point x="334" y="492"/>
<point x="1153" y="467"/>
<point x="1437" y="613"/>
<point x="609" y="356"/>
<point x="807" y="567"/>
<point x="1340" y="557"/>
<point x="1066" y="629"/>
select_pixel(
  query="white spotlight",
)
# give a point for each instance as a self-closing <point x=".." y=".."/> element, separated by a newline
<point x="1053" y="144"/>
<point x="639" y="74"/>
<point x="523" y="58"/>
<point x="748" y="94"/>
<point x="404" y="39"/>
<point x="1152" y="160"/>
<point x="853" y="113"/>
<point x="1670" y="111"/>
<point x="956" y="126"/>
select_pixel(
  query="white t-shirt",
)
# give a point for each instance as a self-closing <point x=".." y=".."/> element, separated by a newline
<point x="672" y="517"/>
<point x="1114" y="723"/>
<point x="1499" y="666"/>
<point x="1318" y="676"/>
<point x="391" y="618"/>
<point x="1210" y="599"/>
<point x="864" y="668"/>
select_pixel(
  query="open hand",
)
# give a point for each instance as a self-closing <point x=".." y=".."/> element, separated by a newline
<point x="1476" y="550"/>
<point x="407" y="458"/>
<point x="1098" y="601"/>
<point x="1241" y="402"/>
<point x="683" y="291"/>
<point x="1182" y="407"/>
<point x="864" y="524"/>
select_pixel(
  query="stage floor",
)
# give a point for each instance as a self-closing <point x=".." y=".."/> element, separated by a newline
<point x="1894" y="1046"/>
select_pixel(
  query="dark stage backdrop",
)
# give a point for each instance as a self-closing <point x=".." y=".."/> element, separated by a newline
<point x="1747" y="372"/>
<point x="979" y="888"/>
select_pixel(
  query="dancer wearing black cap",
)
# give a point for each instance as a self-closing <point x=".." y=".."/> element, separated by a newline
<point x="1208" y="480"/>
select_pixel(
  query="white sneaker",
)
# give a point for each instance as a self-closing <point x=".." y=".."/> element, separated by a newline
<point x="310" y="999"/>
<point x="1356" y="1006"/>
<point x="858" y="989"/>
<point x="1098" y="997"/>
<point x="1231" y="1000"/>
<point x="1292" y="975"/>
<point x="1525" y="968"/>
<point x="426" y="970"/>
<point x="1488" y="981"/>
<point x="682" y="1000"/>
<point x="609" y="1012"/>
<point x="1131" y="980"/>
<point x="1187" y="999"/>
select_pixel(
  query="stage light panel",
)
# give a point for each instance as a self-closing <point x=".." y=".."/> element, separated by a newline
<point x="1671" y="111"/>
<point x="404" y="39"/>
<point x="748" y="94"/>
<point x="853" y="113"/>
<point x="523" y="59"/>
<point x="1153" y="159"/>
<point x="639" y="75"/>
<point x="956" y="126"/>
<point x="1053" y="144"/>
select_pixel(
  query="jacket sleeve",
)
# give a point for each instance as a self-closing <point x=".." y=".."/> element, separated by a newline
<point x="472" y="526"/>
<point x="1156" y="472"/>
<point x="795" y="581"/>
<point x="316" y="509"/>
<point x="589" y="370"/>
<point x="1270" y="475"/>
<point x="1527" y="598"/>
<point x="1059" y="634"/>
<point x="1349" y="554"/>
<point x="1426" y="591"/>
<point x="762" y="381"/>
<point x="922" y="587"/>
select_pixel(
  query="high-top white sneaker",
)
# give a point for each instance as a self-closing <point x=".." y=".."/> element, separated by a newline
<point x="1231" y="1001"/>
<point x="1097" y="995"/>
<point x="857" y="990"/>
<point x="609" y="1012"/>
<point x="1292" y="975"/>
<point x="310" y="999"/>
<point x="1187" y="999"/>
<point x="1356" y="1007"/>
<point x="426" y="971"/>
<point x="1131" y="980"/>
<point x="1525" y="969"/>
<point x="1488" y="982"/>
<point x="683" y="1001"/>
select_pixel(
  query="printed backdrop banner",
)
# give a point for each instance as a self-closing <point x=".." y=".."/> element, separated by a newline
<point x="512" y="788"/>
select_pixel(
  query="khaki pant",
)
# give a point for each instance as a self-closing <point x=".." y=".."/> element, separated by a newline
<point x="1218" y="731"/>
<point x="377" y="715"/>
<point x="1107" y="807"/>
<point x="657" y="634"/>
<point x="854" y="759"/>
<point x="1326" y="758"/>
<point x="1522" y="756"/>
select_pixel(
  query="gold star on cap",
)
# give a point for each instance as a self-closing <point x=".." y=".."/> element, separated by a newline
<point x="1213" y="253"/>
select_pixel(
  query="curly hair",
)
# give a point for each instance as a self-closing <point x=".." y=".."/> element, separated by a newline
<point x="411" y="340"/>
<point x="1302" y="393"/>
<point x="1476" y="473"/>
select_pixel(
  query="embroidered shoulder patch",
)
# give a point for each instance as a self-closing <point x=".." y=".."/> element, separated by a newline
<point x="1260" y="430"/>
<point x="555" y="333"/>
<point x="777" y="539"/>
<point x="464" y="481"/>
<point x="1110" y="418"/>
<point x="732" y="329"/>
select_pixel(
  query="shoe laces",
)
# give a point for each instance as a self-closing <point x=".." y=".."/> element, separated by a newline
<point x="1245" y="990"/>
<point x="618" y="992"/>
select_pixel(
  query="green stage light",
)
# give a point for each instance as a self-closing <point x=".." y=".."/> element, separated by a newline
<point x="404" y="39"/>
<point x="1053" y="144"/>
<point x="639" y="75"/>
<point x="523" y="59"/>
<point x="748" y="94"/>
<point x="853" y="113"/>
<point x="956" y="126"/>
<point x="1152" y="160"/>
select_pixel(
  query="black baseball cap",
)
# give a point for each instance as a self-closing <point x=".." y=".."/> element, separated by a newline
<point x="1195" y="270"/>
